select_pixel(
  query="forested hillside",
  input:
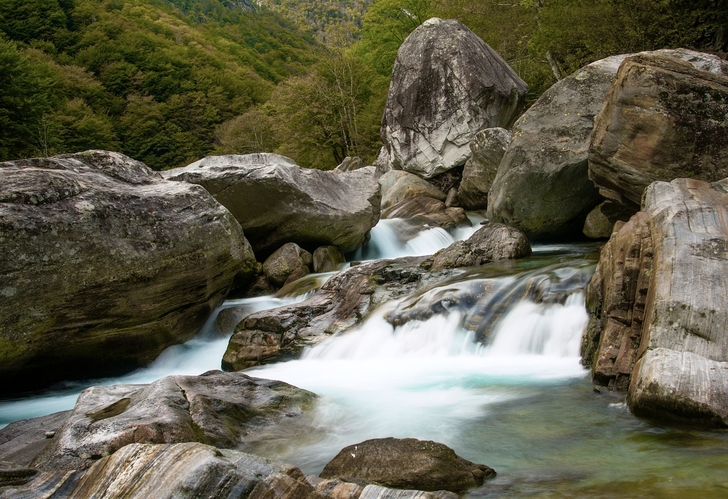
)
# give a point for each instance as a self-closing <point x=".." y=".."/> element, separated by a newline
<point x="150" y="78"/>
<point x="170" y="81"/>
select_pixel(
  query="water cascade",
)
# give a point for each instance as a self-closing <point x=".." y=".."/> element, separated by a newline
<point x="486" y="361"/>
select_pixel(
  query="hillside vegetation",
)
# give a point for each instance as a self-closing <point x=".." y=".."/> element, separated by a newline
<point x="170" y="81"/>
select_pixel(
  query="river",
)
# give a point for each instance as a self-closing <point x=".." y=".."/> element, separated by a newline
<point x="496" y="377"/>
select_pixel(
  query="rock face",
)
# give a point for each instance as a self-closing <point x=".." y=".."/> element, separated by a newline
<point x="491" y="242"/>
<point x="278" y="202"/>
<point x="658" y="305"/>
<point x="664" y="118"/>
<point x="488" y="147"/>
<point x="343" y="301"/>
<point x="327" y="259"/>
<point x="229" y="410"/>
<point x="407" y="464"/>
<point x="542" y="185"/>
<point x="398" y="186"/>
<point x="290" y="261"/>
<point x="104" y="264"/>
<point x="190" y="470"/>
<point x="428" y="210"/>
<point x="447" y="84"/>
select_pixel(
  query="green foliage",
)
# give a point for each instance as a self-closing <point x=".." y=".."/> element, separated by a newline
<point x="386" y="25"/>
<point x="151" y="78"/>
<point x="24" y="95"/>
<point x="335" y="23"/>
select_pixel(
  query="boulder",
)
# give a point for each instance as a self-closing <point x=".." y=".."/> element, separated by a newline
<point x="597" y="225"/>
<point x="290" y="260"/>
<point x="487" y="147"/>
<point x="378" y="492"/>
<point x="398" y="186"/>
<point x="659" y="307"/>
<point x="447" y="84"/>
<point x="542" y="186"/>
<point x="491" y="242"/>
<point x="228" y="410"/>
<point x="327" y="259"/>
<point x="428" y="210"/>
<point x="170" y="471"/>
<point x="104" y="264"/>
<point x="342" y="302"/>
<point x="664" y="118"/>
<point x="278" y="202"/>
<point x="407" y="463"/>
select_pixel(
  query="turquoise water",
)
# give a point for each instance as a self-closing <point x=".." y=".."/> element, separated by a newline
<point x="520" y="403"/>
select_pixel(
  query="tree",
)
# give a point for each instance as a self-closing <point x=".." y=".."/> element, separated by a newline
<point x="23" y="102"/>
<point x="386" y="25"/>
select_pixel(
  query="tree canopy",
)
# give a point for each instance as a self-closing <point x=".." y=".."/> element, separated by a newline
<point x="170" y="81"/>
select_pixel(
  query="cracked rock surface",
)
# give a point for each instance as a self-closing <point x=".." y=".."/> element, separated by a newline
<point x="227" y="410"/>
<point x="104" y="264"/>
<point x="658" y="307"/>
<point x="447" y="84"/>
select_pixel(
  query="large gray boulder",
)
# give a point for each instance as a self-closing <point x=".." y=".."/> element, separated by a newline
<point x="542" y="186"/>
<point x="664" y="118"/>
<point x="447" y="84"/>
<point x="407" y="463"/>
<point x="277" y="202"/>
<point x="487" y="147"/>
<point x="104" y="264"/>
<point x="659" y="307"/>
<point x="227" y="410"/>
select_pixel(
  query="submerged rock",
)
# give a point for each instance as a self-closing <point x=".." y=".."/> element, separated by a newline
<point x="447" y="84"/>
<point x="664" y="118"/>
<point x="407" y="463"/>
<point x="228" y="410"/>
<point x="658" y="304"/>
<point x="277" y="202"/>
<point x="104" y="264"/>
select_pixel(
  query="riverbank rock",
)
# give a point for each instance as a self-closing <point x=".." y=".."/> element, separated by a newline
<point x="289" y="262"/>
<point x="427" y="210"/>
<point x="447" y="84"/>
<point x="104" y="264"/>
<point x="327" y="259"/>
<point x="658" y="305"/>
<point x="228" y="410"/>
<point x="189" y="470"/>
<point x="488" y="147"/>
<point x="398" y="186"/>
<point x="542" y="186"/>
<point x="342" y="302"/>
<point x="491" y="242"/>
<point x="407" y="463"/>
<point x="278" y="202"/>
<point x="664" y="118"/>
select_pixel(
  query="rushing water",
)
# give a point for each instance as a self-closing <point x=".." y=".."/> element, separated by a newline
<point x="495" y="374"/>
